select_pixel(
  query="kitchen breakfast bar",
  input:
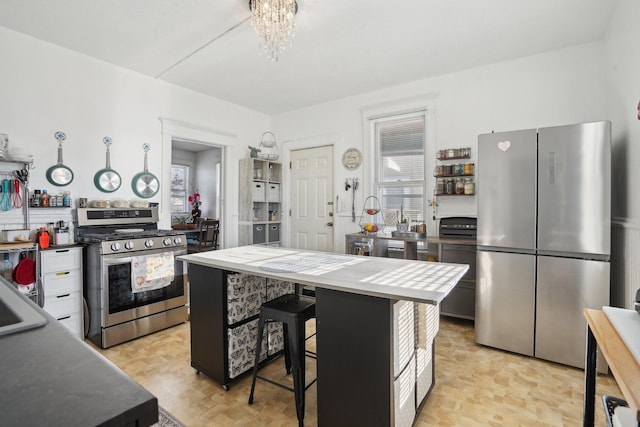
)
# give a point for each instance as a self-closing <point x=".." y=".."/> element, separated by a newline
<point x="376" y="319"/>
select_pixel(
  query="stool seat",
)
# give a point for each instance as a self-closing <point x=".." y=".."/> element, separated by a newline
<point x="293" y="311"/>
<point x="289" y="305"/>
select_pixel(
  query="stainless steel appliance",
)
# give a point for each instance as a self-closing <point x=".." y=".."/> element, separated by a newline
<point x="117" y="242"/>
<point x="461" y="301"/>
<point x="544" y="215"/>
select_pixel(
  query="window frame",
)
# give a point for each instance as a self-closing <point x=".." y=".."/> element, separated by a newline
<point x="377" y="160"/>
<point x="185" y="204"/>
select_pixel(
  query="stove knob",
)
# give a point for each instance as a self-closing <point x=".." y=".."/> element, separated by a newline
<point x="128" y="245"/>
<point x="115" y="246"/>
<point x="177" y="240"/>
<point x="148" y="243"/>
<point x="166" y="241"/>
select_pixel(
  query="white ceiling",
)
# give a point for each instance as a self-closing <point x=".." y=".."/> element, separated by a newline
<point x="341" y="47"/>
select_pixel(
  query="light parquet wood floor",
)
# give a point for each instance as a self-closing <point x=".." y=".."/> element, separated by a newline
<point x="475" y="385"/>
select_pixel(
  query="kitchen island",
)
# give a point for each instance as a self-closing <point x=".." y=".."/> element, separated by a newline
<point x="375" y="320"/>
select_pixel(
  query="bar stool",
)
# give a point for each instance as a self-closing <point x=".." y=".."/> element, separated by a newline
<point x="293" y="311"/>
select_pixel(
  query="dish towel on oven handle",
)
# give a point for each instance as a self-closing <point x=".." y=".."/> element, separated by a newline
<point x="149" y="272"/>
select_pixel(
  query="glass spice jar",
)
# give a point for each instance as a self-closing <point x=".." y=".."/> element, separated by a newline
<point x="469" y="186"/>
<point x="459" y="186"/>
<point x="449" y="187"/>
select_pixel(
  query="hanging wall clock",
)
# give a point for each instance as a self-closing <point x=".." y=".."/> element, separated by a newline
<point x="352" y="159"/>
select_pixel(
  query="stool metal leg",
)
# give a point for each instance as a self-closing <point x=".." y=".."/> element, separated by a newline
<point x="257" y="358"/>
<point x="296" y="343"/>
<point x="287" y="348"/>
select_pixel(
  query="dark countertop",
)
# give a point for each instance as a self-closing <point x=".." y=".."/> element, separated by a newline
<point x="50" y="377"/>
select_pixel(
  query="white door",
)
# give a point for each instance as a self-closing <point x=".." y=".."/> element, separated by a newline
<point x="312" y="199"/>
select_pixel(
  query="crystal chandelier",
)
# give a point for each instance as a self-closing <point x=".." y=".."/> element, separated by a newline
<point x="274" y="21"/>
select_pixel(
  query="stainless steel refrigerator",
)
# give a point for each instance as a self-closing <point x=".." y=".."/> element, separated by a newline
<point x="544" y="215"/>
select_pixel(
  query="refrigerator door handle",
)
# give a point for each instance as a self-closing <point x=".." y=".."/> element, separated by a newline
<point x="551" y="168"/>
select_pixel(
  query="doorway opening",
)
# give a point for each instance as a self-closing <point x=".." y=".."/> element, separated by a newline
<point x="195" y="169"/>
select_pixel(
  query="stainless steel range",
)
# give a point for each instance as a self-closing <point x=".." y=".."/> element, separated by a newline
<point x="133" y="284"/>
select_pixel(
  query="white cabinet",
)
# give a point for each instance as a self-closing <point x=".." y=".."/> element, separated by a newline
<point x="260" y="208"/>
<point x="61" y="275"/>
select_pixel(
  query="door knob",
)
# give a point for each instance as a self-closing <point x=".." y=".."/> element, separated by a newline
<point x="330" y="223"/>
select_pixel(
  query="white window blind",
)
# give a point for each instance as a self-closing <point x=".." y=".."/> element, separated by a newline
<point x="400" y="176"/>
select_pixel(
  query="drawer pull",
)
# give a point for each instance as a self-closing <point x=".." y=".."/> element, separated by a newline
<point x="62" y="250"/>
<point x="63" y="296"/>
<point x="63" y="274"/>
<point x="64" y="318"/>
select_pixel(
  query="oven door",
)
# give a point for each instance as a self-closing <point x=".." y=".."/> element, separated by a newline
<point x="121" y="304"/>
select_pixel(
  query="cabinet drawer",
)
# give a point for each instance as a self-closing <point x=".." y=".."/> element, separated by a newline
<point x="403" y="335"/>
<point x="242" y="344"/>
<point x="258" y="192"/>
<point x="63" y="305"/>
<point x="424" y="372"/>
<point x="259" y="233"/>
<point x="73" y="322"/>
<point x="274" y="232"/>
<point x="404" y="396"/>
<point x="245" y="294"/>
<point x="55" y="284"/>
<point x="61" y="260"/>
<point x="273" y="192"/>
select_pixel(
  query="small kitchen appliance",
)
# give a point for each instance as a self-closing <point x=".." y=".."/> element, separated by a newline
<point x="133" y="285"/>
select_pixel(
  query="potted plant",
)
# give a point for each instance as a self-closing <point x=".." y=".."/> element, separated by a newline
<point x="403" y="224"/>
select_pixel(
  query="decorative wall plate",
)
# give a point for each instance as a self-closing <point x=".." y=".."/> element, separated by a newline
<point x="352" y="159"/>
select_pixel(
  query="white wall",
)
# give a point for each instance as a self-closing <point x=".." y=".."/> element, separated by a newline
<point x="622" y="72"/>
<point x="206" y="181"/>
<point x="554" y="88"/>
<point x="622" y="83"/>
<point x="46" y="88"/>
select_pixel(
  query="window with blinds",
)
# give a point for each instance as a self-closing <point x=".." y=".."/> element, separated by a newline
<point x="400" y="176"/>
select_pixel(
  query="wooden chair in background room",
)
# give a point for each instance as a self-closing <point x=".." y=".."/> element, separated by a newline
<point x="207" y="237"/>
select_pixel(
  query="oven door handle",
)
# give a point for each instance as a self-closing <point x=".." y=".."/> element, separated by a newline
<point x="117" y="261"/>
